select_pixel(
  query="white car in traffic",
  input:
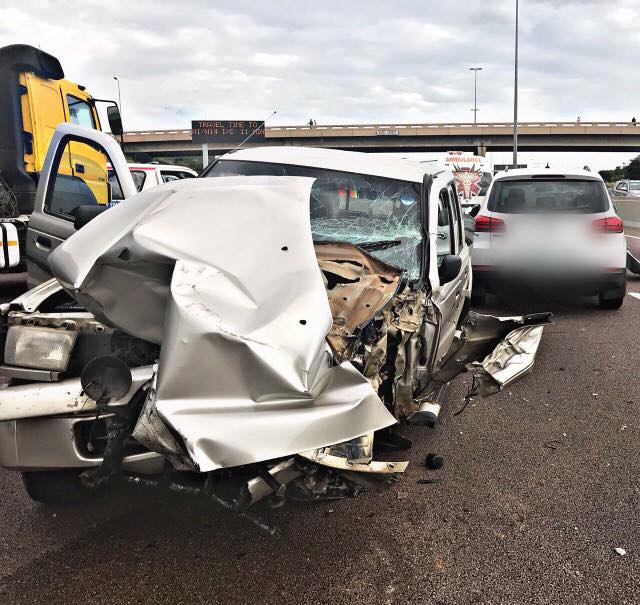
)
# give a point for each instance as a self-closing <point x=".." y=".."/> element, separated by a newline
<point x="146" y="176"/>
<point x="550" y="229"/>
<point x="627" y="188"/>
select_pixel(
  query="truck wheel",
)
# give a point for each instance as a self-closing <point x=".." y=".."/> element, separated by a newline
<point x="56" y="488"/>
<point x="610" y="303"/>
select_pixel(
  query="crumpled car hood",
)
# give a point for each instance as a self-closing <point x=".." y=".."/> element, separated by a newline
<point x="224" y="274"/>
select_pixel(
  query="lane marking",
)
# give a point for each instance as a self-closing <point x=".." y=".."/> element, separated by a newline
<point x="634" y="294"/>
<point x="633" y="236"/>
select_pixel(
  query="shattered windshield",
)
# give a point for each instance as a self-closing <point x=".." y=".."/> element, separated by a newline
<point x="378" y="214"/>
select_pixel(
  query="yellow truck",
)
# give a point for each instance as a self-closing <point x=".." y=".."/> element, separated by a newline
<point x="35" y="97"/>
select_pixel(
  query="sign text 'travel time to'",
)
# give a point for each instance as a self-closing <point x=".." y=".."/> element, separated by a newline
<point x="226" y="131"/>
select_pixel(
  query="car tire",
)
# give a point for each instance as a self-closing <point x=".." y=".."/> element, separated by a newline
<point x="610" y="303"/>
<point x="56" y="488"/>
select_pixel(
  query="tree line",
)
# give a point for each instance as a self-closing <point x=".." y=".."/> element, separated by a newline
<point x="626" y="171"/>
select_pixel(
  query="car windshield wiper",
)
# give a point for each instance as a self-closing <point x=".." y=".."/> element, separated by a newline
<point x="380" y="245"/>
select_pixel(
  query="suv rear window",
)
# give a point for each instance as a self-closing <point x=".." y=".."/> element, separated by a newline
<point x="528" y="196"/>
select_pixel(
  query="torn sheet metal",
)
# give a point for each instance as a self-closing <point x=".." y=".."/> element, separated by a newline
<point x="224" y="274"/>
<point x="358" y="286"/>
<point x="391" y="360"/>
<point x="506" y="346"/>
<point x="320" y="456"/>
<point x="510" y="360"/>
<point x="64" y="397"/>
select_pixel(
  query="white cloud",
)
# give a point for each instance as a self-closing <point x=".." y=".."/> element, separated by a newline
<point x="357" y="61"/>
<point x="273" y="60"/>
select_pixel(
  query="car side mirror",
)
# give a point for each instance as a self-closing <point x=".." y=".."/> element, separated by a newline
<point x="85" y="214"/>
<point x="449" y="268"/>
<point x="115" y="121"/>
<point x="474" y="210"/>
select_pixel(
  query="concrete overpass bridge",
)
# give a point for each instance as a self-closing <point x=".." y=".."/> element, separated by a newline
<point x="478" y="138"/>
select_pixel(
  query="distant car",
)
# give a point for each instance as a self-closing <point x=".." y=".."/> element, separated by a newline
<point x="627" y="188"/>
<point x="553" y="229"/>
<point x="146" y="176"/>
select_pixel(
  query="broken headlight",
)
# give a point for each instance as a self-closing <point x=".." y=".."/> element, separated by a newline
<point x="40" y="348"/>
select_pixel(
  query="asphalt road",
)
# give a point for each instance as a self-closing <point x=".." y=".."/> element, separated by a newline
<point x="540" y="485"/>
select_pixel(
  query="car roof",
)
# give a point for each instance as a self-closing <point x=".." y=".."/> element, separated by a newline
<point x="140" y="166"/>
<point x="334" y="159"/>
<point x="547" y="172"/>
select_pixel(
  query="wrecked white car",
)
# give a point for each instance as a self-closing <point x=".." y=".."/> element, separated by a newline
<point x="247" y="334"/>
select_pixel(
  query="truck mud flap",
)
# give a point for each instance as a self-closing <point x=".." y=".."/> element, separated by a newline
<point x="497" y="350"/>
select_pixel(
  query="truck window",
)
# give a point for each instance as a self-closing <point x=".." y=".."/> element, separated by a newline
<point x="139" y="177"/>
<point x="446" y="230"/>
<point x="174" y="175"/>
<point x="116" y="190"/>
<point x="80" y="112"/>
<point x="456" y="213"/>
<point x="78" y="178"/>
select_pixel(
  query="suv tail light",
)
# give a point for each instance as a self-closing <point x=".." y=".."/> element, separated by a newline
<point x="611" y="224"/>
<point x="488" y="224"/>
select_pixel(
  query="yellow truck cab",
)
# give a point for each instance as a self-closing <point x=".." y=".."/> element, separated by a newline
<point x="35" y="98"/>
<point x="46" y="104"/>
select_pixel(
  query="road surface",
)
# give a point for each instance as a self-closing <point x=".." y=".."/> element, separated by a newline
<point x="540" y="485"/>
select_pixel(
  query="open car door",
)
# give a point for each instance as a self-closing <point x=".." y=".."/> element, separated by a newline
<point x="73" y="188"/>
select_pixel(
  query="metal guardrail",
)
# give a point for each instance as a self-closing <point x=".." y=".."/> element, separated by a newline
<point x="276" y="131"/>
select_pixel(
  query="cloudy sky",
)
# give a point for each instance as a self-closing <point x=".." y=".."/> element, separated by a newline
<point x="347" y="61"/>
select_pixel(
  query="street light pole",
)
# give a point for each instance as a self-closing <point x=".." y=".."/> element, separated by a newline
<point x="120" y="108"/>
<point x="515" y="98"/>
<point x="475" y="71"/>
<point x="119" y="97"/>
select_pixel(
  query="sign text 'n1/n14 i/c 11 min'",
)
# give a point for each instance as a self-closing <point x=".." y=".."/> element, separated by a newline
<point x="226" y="131"/>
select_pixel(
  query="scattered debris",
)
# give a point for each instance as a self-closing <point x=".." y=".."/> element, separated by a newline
<point x="621" y="551"/>
<point x="552" y="444"/>
<point x="434" y="461"/>
<point x="429" y="481"/>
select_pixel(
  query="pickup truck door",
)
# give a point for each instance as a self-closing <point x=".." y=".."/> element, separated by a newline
<point x="449" y="297"/>
<point x="61" y="195"/>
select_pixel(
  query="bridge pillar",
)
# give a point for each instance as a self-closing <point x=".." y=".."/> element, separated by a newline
<point x="482" y="150"/>
<point x="205" y="155"/>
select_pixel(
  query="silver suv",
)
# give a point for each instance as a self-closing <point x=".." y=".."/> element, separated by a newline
<point x="627" y="188"/>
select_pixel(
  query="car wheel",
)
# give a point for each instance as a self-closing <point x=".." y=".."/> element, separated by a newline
<point x="611" y="303"/>
<point x="55" y="488"/>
